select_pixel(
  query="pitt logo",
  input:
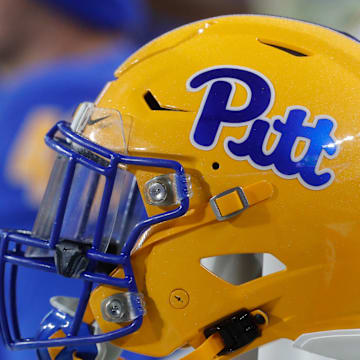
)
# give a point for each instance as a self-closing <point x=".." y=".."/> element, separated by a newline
<point x="216" y="112"/>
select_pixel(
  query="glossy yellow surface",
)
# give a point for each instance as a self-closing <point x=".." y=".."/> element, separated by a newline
<point x="314" y="233"/>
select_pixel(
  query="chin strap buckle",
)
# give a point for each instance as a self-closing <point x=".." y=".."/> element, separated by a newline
<point x="234" y="201"/>
<point x="237" y="330"/>
<point x="230" y="334"/>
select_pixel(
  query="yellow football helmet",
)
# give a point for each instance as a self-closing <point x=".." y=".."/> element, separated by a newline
<point x="240" y="134"/>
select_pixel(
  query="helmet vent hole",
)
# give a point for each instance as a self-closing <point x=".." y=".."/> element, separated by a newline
<point x="238" y="269"/>
<point x="153" y="104"/>
<point x="285" y="49"/>
<point x="215" y="165"/>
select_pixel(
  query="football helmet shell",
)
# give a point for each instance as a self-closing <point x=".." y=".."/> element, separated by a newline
<point x="312" y="231"/>
<point x="261" y="114"/>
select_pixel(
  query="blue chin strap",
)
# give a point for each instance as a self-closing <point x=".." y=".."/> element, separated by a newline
<point x="13" y="242"/>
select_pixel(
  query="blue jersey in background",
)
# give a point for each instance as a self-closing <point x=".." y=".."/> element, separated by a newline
<point x="29" y="103"/>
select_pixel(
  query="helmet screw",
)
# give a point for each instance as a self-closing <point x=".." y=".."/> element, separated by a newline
<point x="157" y="192"/>
<point x="114" y="309"/>
<point x="123" y="307"/>
<point x="179" y="299"/>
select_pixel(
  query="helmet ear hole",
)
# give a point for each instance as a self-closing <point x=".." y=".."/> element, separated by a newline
<point x="238" y="269"/>
<point x="215" y="165"/>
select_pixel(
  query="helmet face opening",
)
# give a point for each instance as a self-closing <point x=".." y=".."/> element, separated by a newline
<point x="125" y="210"/>
<point x="92" y="213"/>
<point x="84" y="199"/>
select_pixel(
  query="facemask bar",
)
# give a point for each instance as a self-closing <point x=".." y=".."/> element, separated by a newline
<point x="14" y="256"/>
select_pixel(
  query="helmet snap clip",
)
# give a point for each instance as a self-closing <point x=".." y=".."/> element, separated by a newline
<point x="162" y="190"/>
<point x="236" y="330"/>
<point x="123" y="307"/>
